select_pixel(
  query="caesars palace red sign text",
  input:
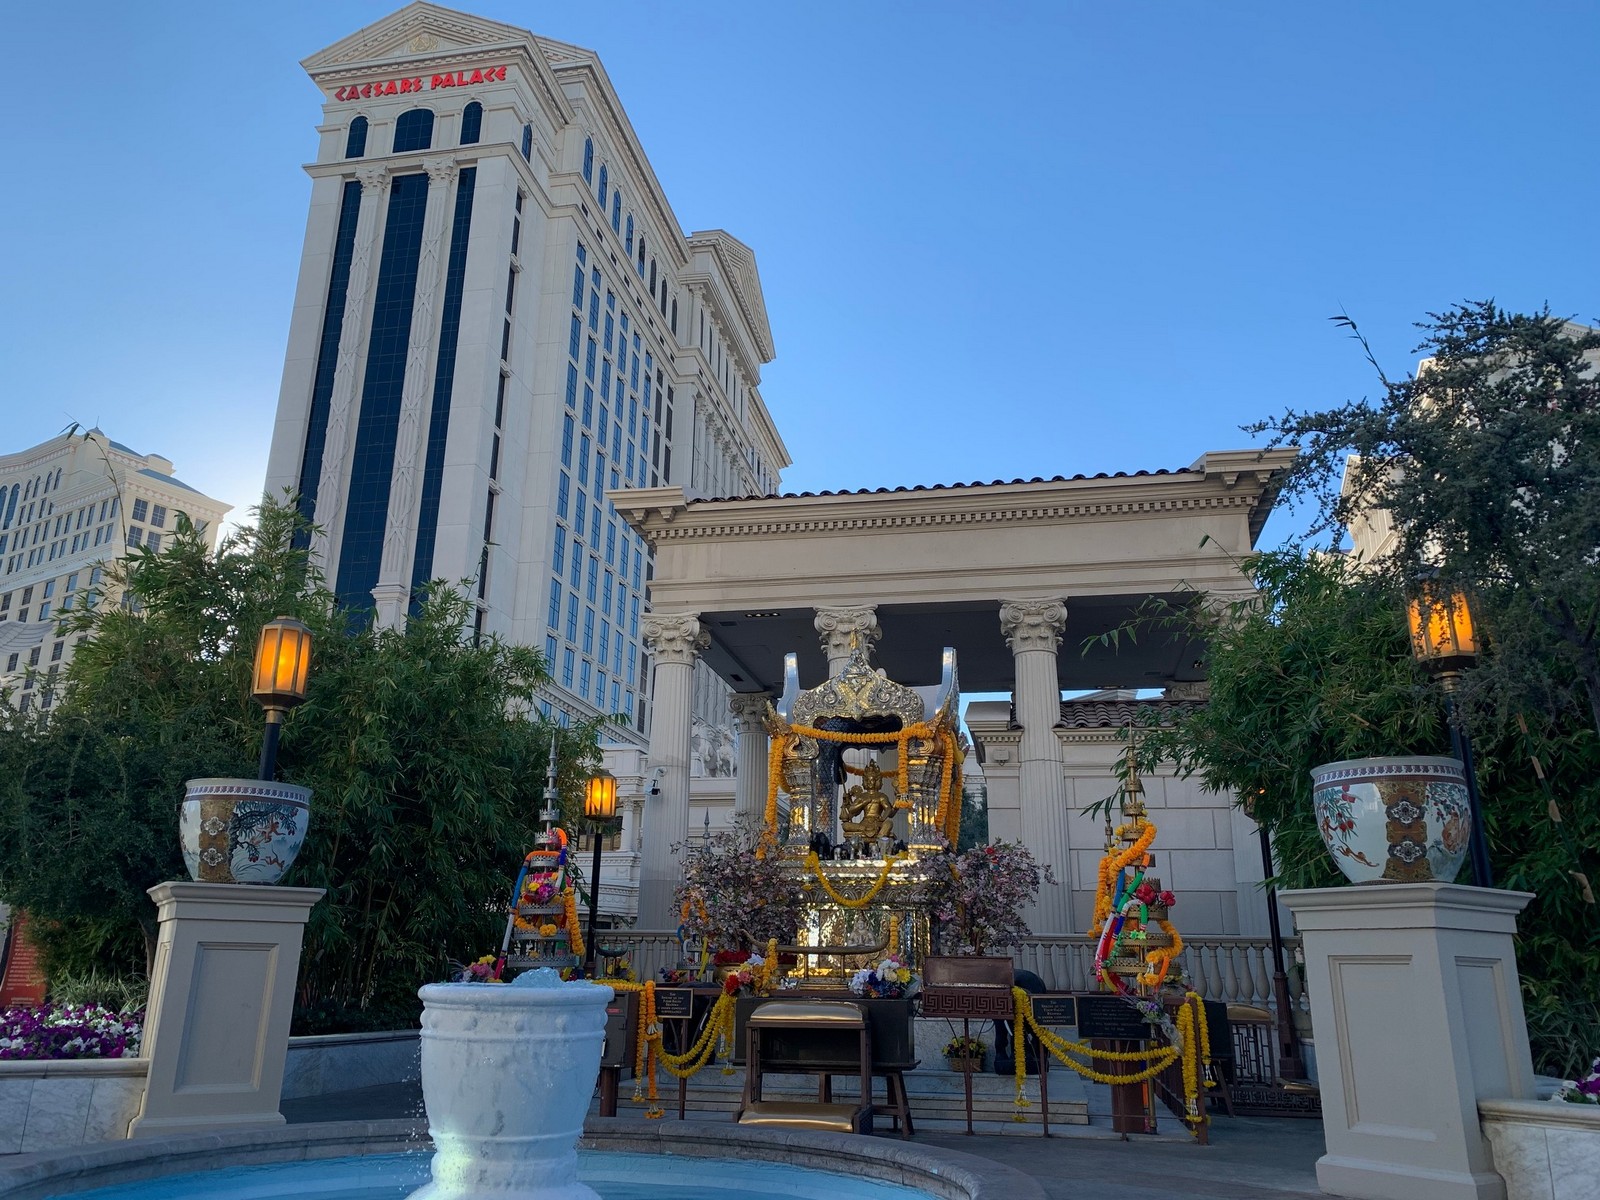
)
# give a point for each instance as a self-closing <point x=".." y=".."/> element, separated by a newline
<point x="402" y="87"/>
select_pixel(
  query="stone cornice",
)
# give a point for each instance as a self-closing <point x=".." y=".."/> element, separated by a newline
<point x="663" y="515"/>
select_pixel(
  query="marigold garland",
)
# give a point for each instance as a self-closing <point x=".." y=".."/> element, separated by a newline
<point x="716" y="1038"/>
<point x="814" y="864"/>
<point x="574" y="930"/>
<point x="1061" y="1049"/>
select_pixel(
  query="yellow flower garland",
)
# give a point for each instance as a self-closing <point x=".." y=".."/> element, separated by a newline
<point x="1061" y="1049"/>
<point x="814" y="864"/>
<point x="574" y="930"/>
<point x="648" y="1052"/>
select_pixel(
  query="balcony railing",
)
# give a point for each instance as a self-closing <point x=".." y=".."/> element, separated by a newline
<point x="1235" y="970"/>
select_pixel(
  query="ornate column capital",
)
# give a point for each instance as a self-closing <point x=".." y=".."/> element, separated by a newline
<point x="440" y="170"/>
<point x="750" y="709"/>
<point x="839" y="626"/>
<point x="374" y="180"/>
<point x="674" y="637"/>
<point x="1033" y="624"/>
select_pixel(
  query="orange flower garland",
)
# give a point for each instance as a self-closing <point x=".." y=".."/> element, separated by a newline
<point x="574" y="930"/>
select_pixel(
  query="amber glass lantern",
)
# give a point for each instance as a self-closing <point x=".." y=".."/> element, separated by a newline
<point x="279" y="681"/>
<point x="1443" y="639"/>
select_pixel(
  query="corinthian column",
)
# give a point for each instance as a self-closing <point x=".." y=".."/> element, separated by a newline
<point x="347" y="364"/>
<point x="675" y="640"/>
<point x="750" y="781"/>
<point x="1033" y="629"/>
<point x="399" y="531"/>
<point x="839" y="627"/>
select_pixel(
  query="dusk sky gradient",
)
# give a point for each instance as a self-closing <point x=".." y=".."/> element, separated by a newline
<point x="997" y="240"/>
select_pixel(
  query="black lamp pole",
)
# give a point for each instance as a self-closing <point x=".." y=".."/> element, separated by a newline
<point x="1461" y="745"/>
<point x="269" y="744"/>
<point x="1289" y="1064"/>
<point x="594" y="902"/>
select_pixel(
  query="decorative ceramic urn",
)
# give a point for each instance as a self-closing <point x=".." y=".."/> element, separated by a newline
<point x="507" y="1072"/>
<point x="1394" y="820"/>
<point x="242" y="830"/>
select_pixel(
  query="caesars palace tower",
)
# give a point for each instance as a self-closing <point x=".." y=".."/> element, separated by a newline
<point x="498" y="318"/>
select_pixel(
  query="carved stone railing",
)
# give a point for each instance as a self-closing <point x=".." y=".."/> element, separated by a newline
<point x="1235" y="970"/>
<point x="648" y="950"/>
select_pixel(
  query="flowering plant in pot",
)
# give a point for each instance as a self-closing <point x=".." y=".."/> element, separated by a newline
<point x="55" y="1031"/>
<point x="978" y="897"/>
<point x="1581" y="1091"/>
<point x="965" y="1053"/>
<point x="889" y="980"/>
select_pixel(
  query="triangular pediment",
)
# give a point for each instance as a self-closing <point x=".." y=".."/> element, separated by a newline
<point x="419" y="30"/>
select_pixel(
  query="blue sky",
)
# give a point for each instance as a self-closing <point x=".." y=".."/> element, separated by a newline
<point x="997" y="240"/>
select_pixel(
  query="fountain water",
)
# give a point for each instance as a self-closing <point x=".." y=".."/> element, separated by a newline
<point x="507" y="1072"/>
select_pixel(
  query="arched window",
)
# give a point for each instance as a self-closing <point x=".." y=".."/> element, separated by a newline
<point x="674" y="314"/>
<point x="616" y="211"/>
<point x="641" y="255"/>
<point x="588" y="160"/>
<point x="471" y="123"/>
<point x="527" y="143"/>
<point x="604" y="185"/>
<point x="355" y="143"/>
<point x="413" y="131"/>
<point x="652" y="276"/>
<point x="630" y="233"/>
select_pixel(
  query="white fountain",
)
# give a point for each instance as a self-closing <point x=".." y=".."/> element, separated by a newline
<point x="507" y="1073"/>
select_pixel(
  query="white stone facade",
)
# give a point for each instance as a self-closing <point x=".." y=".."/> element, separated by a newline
<point x="498" y="319"/>
<point x="67" y="507"/>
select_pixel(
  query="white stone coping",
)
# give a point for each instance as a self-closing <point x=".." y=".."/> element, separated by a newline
<point x="72" y="1068"/>
<point x="946" y="1174"/>
<point x="1547" y="1114"/>
<point x="322" y="1041"/>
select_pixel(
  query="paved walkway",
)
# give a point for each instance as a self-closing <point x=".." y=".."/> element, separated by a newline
<point x="1249" y="1158"/>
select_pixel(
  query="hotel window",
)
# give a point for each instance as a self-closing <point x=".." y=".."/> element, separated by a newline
<point x="413" y="131"/>
<point x="629" y="241"/>
<point x="527" y="143"/>
<point x="140" y="509"/>
<point x="44" y="612"/>
<point x="158" y="516"/>
<point x="566" y="667"/>
<point x="641" y="255"/>
<point x="616" y="211"/>
<point x="588" y="160"/>
<point x="55" y="651"/>
<point x="562" y="488"/>
<point x="583" y="680"/>
<point x="572" y="614"/>
<point x="588" y="630"/>
<point x="135" y="536"/>
<point x="604" y="185"/>
<point x="558" y="556"/>
<point x="674" y="314"/>
<point x="153" y="541"/>
<point x="471" y="124"/>
<point x="355" y="143"/>
<point x="566" y="439"/>
<point x="652" y="277"/>
<point x="555" y="604"/>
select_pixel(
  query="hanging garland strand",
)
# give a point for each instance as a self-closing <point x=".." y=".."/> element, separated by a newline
<point x="814" y="865"/>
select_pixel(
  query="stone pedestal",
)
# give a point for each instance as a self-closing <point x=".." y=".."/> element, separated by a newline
<point x="220" y="1000"/>
<point x="1415" y="1001"/>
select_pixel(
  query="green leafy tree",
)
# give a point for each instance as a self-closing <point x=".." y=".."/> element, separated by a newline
<point x="426" y="763"/>
<point x="1488" y="460"/>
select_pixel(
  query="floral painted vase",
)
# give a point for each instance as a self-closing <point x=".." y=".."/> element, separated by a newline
<point x="1394" y="820"/>
<point x="242" y="830"/>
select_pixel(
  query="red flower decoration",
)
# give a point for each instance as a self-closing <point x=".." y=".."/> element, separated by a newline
<point x="730" y="985"/>
<point x="1167" y="899"/>
<point x="1145" y="893"/>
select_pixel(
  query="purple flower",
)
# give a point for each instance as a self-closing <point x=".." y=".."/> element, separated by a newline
<point x="68" y="1031"/>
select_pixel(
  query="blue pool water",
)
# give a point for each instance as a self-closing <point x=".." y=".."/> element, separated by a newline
<point x="616" y="1176"/>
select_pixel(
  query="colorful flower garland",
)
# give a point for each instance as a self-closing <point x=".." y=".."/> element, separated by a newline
<point x="814" y="864"/>
<point x="714" y="1040"/>
<point x="574" y="930"/>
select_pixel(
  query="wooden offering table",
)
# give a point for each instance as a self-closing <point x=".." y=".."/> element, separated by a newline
<point x="821" y="1031"/>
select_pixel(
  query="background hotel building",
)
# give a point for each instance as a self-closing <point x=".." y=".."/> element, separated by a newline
<point x="498" y="319"/>
<point x="67" y="506"/>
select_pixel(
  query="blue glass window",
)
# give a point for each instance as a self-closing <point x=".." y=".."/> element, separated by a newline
<point x="594" y="310"/>
<point x="581" y="513"/>
<point x="652" y="276"/>
<point x="572" y="385"/>
<point x="583" y="254"/>
<point x="610" y="331"/>
<point x="443" y="384"/>
<point x="583" y="466"/>
<point x="641" y="255"/>
<point x="572" y="617"/>
<point x="566" y="667"/>
<point x="577" y="563"/>
<point x="605" y="641"/>
<point x="558" y="555"/>
<point x="594" y="519"/>
<point x="583" y="679"/>
<point x="629" y="242"/>
<point x="355" y="142"/>
<point x="616" y="211"/>
<point x="562" y="488"/>
<point x="674" y="314"/>
<point x="574" y="336"/>
<point x="605" y="384"/>
<point x="413" y="131"/>
<point x="527" y="143"/>
<point x="588" y="362"/>
<point x="566" y="440"/>
<point x="616" y="441"/>
<point x="549" y="661"/>
<point x="344" y="242"/>
<point x="577" y="285"/>
<point x="471" y="123"/>
<point x="588" y="404"/>
<point x="604" y="184"/>
<point x="555" y="603"/>
<point x="611" y="553"/>
<point x="377" y="426"/>
<point x="588" y="630"/>
<point x="588" y="160"/>
<point x="600" y="685"/>
<point x="593" y="581"/>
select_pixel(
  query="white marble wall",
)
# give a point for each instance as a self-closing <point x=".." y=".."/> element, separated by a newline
<point x="341" y="1062"/>
<point x="1544" y="1150"/>
<point x="56" y="1105"/>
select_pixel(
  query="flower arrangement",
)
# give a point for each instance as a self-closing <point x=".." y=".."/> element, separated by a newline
<point x="980" y="895"/>
<point x="539" y="892"/>
<point x="548" y="930"/>
<point x="676" y="977"/>
<point x="964" y="1047"/>
<point x="888" y="980"/>
<point x="730" y="958"/>
<point x="620" y="969"/>
<point x="69" y="1031"/>
<point x="731" y="896"/>
<point x="1573" y="1091"/>
<point x="485" y="970"/>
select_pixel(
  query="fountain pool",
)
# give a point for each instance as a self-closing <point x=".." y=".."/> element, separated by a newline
<point x="615" y="1176"/>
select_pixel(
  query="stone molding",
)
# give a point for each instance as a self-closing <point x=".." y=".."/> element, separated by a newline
<point x="1030" y="625"/>
<point x="374" y="180"/>
<point x="441" y="169"/>
<point x="750" y="709"/>
<point x="838" y="627"/>
<point x="674" y="637"/>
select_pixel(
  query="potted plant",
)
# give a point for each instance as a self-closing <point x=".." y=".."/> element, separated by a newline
<point x="978" y="897"/>
<point x="965" y="1053"/>
<point x="889" y="980"/>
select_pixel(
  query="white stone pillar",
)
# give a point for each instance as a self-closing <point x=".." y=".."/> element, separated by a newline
<point x="1418" y="1013"/>
<point x="393" y="591"/>
<point x="675" y="641"/>
<point x="221" y="995"/>
<point x="347" y="365"/>
<point x="750" y="782"/>
<point x="1033" y="629"/>
<point x="839" y="627"/>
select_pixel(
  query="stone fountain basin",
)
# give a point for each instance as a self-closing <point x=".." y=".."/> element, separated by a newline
<point x="944" y="1174"/>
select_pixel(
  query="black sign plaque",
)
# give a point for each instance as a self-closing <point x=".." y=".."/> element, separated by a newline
<point x="674" y="1003"/>
<point x="1055" y="1008"/>
<point x="1110" y="1017"/>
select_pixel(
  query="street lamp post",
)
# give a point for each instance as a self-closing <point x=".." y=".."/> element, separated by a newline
<point x="279" y="681"/>
<point x="1444" y="641"/>
<point x="1289" y="1064"/>
<point x="599" y="806"/>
